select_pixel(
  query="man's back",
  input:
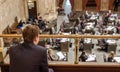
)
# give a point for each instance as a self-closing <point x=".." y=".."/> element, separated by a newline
<point x="28" y="57"/>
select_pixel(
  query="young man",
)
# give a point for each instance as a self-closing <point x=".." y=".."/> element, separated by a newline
<point x="28" y="56"/>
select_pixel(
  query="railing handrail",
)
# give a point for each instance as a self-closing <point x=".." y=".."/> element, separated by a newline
<point x="64" y="36"/>
<point x="75" y="36"/>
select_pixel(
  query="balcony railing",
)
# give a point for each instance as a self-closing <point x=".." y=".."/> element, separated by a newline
<point x="76" y="37"/>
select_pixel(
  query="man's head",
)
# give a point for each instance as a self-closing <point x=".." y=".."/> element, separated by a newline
<point x="30" y="34"/>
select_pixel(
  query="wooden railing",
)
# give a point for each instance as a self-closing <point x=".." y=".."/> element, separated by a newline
<point x="63" y="36"/>
<point x="76" y="66"/>
<point x="81" y="67"/>
<point x="74" y="36"/>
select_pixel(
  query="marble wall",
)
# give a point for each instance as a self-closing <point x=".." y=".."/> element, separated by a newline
<point x="46" y="6"/>
<point x="10" y="9"/>
<point x="104" y="5"/>
<point x="47" y="9"/>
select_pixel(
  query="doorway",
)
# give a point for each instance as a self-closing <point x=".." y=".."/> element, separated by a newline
<point x="32" y="10"/>
<point x="91" y="5"/>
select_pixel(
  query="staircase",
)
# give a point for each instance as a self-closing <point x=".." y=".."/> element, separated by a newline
<point x="91" y="3"/>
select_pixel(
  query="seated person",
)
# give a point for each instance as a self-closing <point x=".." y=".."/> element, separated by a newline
<point x="52" y="57"/>
<point x="41" y="24"/>
<point x="81" y="44"/>
<point x="103" y="44"/>
<point x="20" y="24"/>
<point x="83" y="57"/>
<point x="111" y="57"/>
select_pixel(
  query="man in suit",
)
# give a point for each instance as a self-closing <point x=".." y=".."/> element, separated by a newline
<point x="116" y="4"/>
<point x="28" y="56"/>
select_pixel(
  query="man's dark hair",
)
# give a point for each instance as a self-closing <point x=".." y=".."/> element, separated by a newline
<point x="29" y="33"/>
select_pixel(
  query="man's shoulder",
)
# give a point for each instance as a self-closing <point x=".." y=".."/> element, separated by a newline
<point x="33" y="47"/>
<point x="15" y="46"/>
<point x="41" y="48"/>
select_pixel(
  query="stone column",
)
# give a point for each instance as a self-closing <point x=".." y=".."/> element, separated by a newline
<point x="0" y="19"/>
<point x="41" y="7"/>
<point x="52" y="6"/>
<point x="46" y="8"/>
<point x="78" y="5"/>
<point x="22" y="10"/>
<point x="1" y="42"/>
<point x="104" y="5"/>
<point x="26" y="8"/>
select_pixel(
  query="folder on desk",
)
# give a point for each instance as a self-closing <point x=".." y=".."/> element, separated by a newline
<point x="61" y="56"/>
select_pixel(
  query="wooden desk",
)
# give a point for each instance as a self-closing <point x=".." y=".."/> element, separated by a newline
<point x="81" y="67"/>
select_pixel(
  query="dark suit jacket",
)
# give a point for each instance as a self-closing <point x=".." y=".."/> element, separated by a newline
<point x="28" y="57"/>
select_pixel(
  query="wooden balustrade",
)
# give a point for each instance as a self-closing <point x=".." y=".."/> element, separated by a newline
<point x="63" y="36"/>
<point x="86" y="67"/>
<point x="81" y="67"/>
<point x="76" y="66"/>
